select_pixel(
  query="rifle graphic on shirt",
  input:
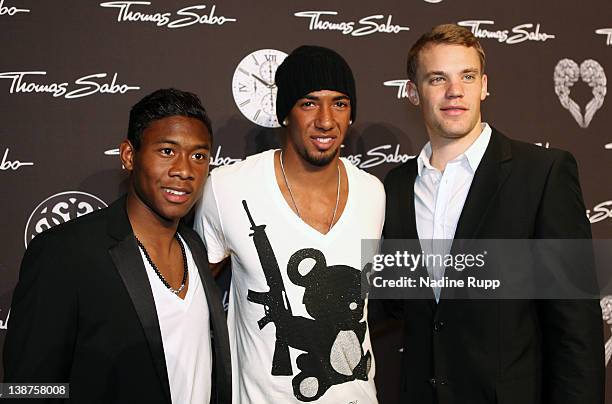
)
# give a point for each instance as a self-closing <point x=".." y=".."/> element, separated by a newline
<point x="275" y="301"/>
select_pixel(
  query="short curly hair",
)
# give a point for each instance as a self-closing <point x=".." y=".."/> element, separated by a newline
<point x="162" y="104"/>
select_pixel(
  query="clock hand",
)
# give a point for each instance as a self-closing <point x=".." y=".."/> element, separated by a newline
<point x="263" y="81"/>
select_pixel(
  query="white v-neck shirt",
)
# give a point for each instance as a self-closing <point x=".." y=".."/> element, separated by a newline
<point x="327" y="334"/>
<point x="185" y="332"/>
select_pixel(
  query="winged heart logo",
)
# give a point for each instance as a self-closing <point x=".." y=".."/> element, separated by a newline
<point x="606" y="310"/>
<point x="567" y="73"/>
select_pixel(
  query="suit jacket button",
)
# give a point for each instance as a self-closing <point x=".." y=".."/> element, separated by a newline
<point x="432" y="381"/>
<point x="438" y="325"/>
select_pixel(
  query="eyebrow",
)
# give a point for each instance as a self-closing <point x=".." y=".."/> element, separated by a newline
<point x="443" y="73"/>
<point x="471" y="70"/>
<point x="197" y="146"/>
<point x="435" y="73"/>
<point x="161" y="141"/>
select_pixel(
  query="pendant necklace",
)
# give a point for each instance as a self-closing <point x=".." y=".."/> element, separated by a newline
<point x="293" y="199"/>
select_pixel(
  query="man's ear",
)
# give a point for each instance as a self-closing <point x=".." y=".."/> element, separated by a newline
<point x="126" y="154"/>
<point x="484" y="92"/>
<point x="413" y="93"/>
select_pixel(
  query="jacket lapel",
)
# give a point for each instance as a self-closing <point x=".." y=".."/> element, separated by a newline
<point x="490" y="175"/>
<point x="488" y="180"/>
<point x="128" y="261"/>
<point x="222" y="362"/>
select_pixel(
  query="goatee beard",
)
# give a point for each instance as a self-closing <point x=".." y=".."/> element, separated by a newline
<point x="320" y="160"/>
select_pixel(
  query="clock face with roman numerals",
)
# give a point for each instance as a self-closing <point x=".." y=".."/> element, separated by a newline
<point x="254" y="88"/>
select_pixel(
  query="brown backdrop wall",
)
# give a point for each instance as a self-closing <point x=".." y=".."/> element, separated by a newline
<point x="70" y="70"/>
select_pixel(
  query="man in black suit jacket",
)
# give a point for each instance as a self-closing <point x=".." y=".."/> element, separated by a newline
<point x="86" y="310"/>
<point x="472" y="182"/>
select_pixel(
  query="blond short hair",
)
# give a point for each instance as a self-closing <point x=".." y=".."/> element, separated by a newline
<point x="446" y="34"/>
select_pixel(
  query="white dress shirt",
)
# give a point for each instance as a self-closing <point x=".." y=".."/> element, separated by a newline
<point x="439" y="197"/>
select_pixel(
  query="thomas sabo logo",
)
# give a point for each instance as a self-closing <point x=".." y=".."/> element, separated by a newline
<point x="82" y="87"/>
<point x="14" y="165"/>
<point x="607" y="32"/>
<point x="402" y="87"/>
<point x="134" y="11"/>
<point x="321" y="21"/>
<point x="600" y="212"/>
<point x="519" y="33"/>
<point x="10" y="10"/>
<point x="376" y="156"/>
<point x="60" y="208"/>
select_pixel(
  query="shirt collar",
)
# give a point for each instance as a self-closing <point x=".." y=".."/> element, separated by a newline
<point x="423" y="159"/>
<point x="474" y="153"/>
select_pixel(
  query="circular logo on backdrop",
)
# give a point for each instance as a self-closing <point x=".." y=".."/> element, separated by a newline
<point x="253" y="86"/>
<point x="58" y="209"/>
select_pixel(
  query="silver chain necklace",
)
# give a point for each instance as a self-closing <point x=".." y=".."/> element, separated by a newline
<point x="293" y="199"/>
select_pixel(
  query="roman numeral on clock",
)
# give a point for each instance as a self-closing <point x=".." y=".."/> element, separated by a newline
<point x="245" y="102"/>
<point x="256" y="114"/>
<point x="270" y="58"/>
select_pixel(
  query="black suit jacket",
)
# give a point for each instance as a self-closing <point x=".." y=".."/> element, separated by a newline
<point x="83" y="313"/>
<point x="492" y="351"/>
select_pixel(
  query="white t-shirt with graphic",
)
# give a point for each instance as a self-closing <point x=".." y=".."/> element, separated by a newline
<point x="307" y="340"/>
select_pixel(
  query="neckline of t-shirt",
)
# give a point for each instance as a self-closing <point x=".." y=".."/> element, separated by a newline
<point x="191" y="272"/>
<point x="293" y="217"/>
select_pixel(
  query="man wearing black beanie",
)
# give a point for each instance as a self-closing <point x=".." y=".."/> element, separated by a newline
<point x="292" y="230"/>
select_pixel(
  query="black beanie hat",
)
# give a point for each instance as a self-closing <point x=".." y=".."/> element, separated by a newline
<point x="308" y="69"/>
